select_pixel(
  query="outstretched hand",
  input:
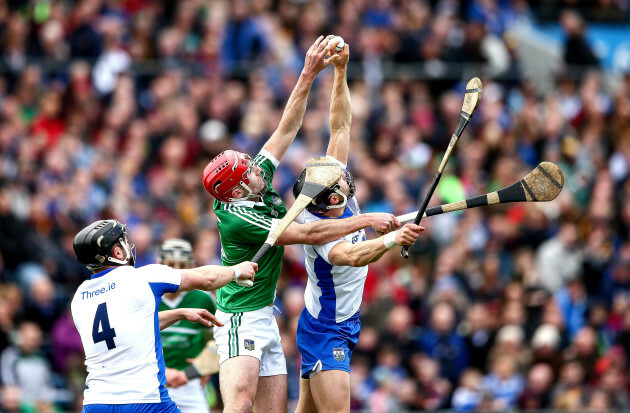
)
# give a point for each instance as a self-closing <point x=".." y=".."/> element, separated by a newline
<point x="339" y="59"/>
<point x="383" y="222"/>
<point x="201" y="316"/>
<point x="315" y="60"/>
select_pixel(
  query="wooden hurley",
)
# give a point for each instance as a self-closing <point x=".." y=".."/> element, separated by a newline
<point x="542" y="184"/>
<point x="206" y="363"/>
<point x="321" y="173"/>
<point x="470" y="105"/>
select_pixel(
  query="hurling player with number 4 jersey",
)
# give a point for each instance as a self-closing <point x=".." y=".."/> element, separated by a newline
<point x="329" y="326"/>
<point x="116" y="314"/>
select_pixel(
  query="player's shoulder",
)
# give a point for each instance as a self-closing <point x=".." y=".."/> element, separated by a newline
<point x="264" y="157"/>
<point x="243" y="214"/>
<point x="157" y="273"/>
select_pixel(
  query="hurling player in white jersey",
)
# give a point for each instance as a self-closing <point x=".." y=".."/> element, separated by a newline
<point x="116" y="314"/>
<point x="328" y="328"/>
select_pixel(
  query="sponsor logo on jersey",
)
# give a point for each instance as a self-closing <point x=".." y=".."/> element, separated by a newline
<point x="249" y="345"/>
<point x="94" y="293"/>
<point x="339" y="354"/>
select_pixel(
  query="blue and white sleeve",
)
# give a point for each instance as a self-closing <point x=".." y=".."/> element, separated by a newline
<point x="161" y="278"/>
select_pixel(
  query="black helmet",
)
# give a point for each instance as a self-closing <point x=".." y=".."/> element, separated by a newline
<point x="176" y="250"/>
<point x="93" y="244"/>
<point x="321" y="203"/>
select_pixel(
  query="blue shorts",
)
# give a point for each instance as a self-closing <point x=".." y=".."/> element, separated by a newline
<point x="326" y="346"/>
<point x="163" y="407"/>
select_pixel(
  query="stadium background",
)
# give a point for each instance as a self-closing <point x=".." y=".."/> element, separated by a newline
<point x="111" y="108"/>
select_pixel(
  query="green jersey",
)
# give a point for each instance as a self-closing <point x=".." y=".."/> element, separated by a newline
<point x="244" y="226"/>
<point x="184" y="339"/>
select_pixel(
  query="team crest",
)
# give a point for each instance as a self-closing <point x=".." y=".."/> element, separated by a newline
<point x="339" y="354"/>
<point x="276" y="201"/>
<point x="249" y="345"/>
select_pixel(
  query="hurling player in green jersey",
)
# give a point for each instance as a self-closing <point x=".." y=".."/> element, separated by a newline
<point x="253" y="368"/>
<point x="184" y="340"/>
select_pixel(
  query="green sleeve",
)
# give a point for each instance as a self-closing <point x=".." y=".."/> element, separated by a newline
<point x="267" y="163"/>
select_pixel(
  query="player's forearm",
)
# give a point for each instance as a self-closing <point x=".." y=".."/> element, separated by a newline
<point x="340" y="118"/>
<point x="326" y="230"/>
<point x="169" y="317"/>
<point x="292" y="117"/>
<point x="340" y="104"/>
<point x="364" y="253"/>
<point x="207" y="278"/>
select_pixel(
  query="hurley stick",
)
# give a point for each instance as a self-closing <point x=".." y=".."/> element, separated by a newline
<point x="321" y="173"/>
<point x="471" y="102"/>
<point x="542" y="184"/>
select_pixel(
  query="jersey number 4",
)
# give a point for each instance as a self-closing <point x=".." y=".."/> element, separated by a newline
<point x="107" y="334"/>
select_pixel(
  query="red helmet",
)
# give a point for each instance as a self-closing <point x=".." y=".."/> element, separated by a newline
<point x="225" y="172"/>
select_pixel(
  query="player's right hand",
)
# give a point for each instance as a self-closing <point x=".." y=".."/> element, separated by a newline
<point x="383" y="222"/>
<point x="408" y="234"/>
<point x="248" y="270"/>
<point x="175" y="378"/>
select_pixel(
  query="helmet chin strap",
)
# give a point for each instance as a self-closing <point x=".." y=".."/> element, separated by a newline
<point x="341" y="204"/>
<point x="127" y="255"/>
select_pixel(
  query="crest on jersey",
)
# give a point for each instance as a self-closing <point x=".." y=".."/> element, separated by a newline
<point x="339" y="354"/>
<point x="276" y="201"/>
<point x="249" y="345"/>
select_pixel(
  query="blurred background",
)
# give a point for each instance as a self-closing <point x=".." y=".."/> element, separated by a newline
<point x="111" y="108"/>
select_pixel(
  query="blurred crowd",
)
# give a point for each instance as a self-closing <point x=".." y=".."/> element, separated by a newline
<point x="111" y="108"/>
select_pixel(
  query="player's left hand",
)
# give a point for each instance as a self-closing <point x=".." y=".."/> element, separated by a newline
<point x="175" y="378"/>
<point x="408" y="234"/>
<point x="201" y="316"/>
<point x="341" y="61"/>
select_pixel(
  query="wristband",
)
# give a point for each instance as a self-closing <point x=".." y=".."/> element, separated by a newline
<point x="237" y="273"/>
<point x="390" y="240"/>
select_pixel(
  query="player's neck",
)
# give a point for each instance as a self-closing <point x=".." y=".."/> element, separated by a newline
<point x="171" y="296"/>
<point x="335" y="213"/>
<point x="103" y="268"/>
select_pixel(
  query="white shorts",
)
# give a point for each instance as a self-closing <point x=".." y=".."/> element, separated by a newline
<point x="190" y="398"/>
<point x="251" y="333"/>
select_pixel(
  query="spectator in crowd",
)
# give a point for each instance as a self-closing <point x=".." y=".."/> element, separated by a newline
<point x="444" y="344"/>
<point x="504" y="383"/>
<point x="26" y="369"/>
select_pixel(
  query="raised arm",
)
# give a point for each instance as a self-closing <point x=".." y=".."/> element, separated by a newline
<point x="213" y="277"/>
<point x="326" y="230"/>
<point x="340" y="110"/>
<point x="363" y="253"/>
<point x="293" y="115"/>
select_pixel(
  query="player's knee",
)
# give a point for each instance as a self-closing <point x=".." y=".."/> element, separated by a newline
<point x="241" y="404"/>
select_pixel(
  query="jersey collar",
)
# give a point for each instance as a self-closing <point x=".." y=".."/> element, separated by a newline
<point x="100" y="274"/>
<point x="346" y="214"/>
<point x="248" y="204"/>
<point x="176" y="302"/>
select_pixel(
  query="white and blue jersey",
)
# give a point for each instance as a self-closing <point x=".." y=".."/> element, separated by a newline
<point x="329" y="326"/>
<point x="333" y="293"/>
<point x="116" y="314"/>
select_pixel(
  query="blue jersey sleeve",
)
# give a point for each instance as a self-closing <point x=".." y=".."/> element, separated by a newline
<point x="161" y="278"/>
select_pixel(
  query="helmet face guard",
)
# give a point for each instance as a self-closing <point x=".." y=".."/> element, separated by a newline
<point x="321" y="204"/>
<point x="246" y="182"/>
<point x="176" y="252"/>
<point x="229" y="170"/>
